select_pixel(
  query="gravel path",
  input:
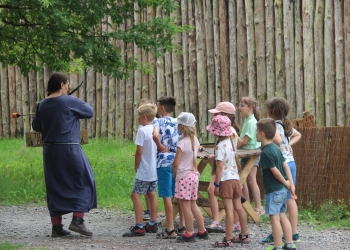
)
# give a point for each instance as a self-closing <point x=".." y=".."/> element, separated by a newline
<point x="31" y="226"/>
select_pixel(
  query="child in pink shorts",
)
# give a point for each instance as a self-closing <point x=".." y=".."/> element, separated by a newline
<point x="187" y="177"/>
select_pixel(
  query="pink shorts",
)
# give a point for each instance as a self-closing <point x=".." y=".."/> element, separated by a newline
<point x="187" y="188"/>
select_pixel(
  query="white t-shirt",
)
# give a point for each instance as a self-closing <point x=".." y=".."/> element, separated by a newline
<point x="147" y="170"/>
<point x="186" y="162"/>
<point x="224" y="152"/>
<point x="285" y="147"/>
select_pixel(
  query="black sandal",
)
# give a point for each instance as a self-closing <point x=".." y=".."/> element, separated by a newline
<point x="223" y="243"/>
<point x="243" y="239"/>
<point x="167" y="234"/>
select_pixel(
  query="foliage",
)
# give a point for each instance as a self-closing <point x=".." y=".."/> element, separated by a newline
<point x="66" y="35"/>
<point x="10" y="246"/>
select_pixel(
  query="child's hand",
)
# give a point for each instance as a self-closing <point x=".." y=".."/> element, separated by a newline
<point x="217" y="191"/>
<point x="292" y="192"/>
<point x="210" y="157"/>
<point x="163" y="149"/>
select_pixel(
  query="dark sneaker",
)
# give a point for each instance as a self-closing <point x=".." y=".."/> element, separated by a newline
<point x="146" y="215"/>
<point x="135" y="231"/>
<point x="58" y="231"/>
<point x="181" y="231"/>
<point x="77" y="225"/>
<point x="268" y="239"/>
<point x="151" y="228"/>
<point x="203" y="235"/>
<point x="166" y="234"/>
<point x="292" y="247"/>
<point x="186" y="238"/>
<point x="296" y="237"/>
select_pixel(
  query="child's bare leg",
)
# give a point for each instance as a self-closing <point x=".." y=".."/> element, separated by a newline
<point x="286" y="227"/>
<point x="152" y="198"/>
<point x="147" y="201"/>
<point x="253" y="185"/>
<point x="293" y="214"/>
<point x="213" y="201"/>
<point x="235" y="216"/>
<point x="276" y="229"/>
<point x="198" y="216"/>
<point x="136" y="200"/>
<point x="245" y="190"/>
<point x="186" y="205"/>
<point x="228" y="204"/>
<point x="241" y="215"/>
<point x="168" y="207"/>
<point x="181" y="213"/>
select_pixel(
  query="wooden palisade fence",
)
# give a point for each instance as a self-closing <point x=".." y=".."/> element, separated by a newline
<point x="299" y="50"/>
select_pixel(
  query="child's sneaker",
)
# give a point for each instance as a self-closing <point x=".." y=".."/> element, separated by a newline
<point x="296" y="237"/>
<point x="268" y="239"/>
<point x="203" y="235"/>
<point x="146" y="215"/>
<point x="135" y="231"/>
<point x="151" y="228"/>
<point x="236" y="228"/>
<point x="186" y="237"/>
<point x="215" y="227"/>
<point x="181" y="231"/>
<point x="166" y="234"/>
<point x="293" y="247"/>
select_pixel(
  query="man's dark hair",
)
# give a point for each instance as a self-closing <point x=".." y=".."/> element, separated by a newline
<point x="169" y="103"/>
<point x="55" y="81"/>
<point x="268" y="126"/>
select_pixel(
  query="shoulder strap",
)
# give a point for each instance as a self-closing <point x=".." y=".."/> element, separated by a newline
<point x="284" y="129"/>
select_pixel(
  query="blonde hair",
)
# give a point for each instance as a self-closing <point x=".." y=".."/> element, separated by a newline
<point x="252" y="102"/>
<point x="213" y="172"/>
<point x="191" y="132"/>
<point x="149" y="110"/>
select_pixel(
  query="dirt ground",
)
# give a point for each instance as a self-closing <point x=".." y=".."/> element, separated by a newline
<point x="31" y="226"/>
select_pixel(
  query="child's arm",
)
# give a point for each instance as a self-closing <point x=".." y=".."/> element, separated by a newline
<point x="277" y="174"/>
<point x="243" y="142"/>
<point x="160" y="147"/>
<point x="294" y="138"/>
<point x="176" y="161"/>
<point x="138" y="154"/>
<point x="277" y="139"/>
<point x="218" y="172"/>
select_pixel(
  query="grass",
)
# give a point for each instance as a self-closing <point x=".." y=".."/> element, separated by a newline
<point x="10" y="246"/>
<point x="22" y="180"/>
<point x="22" y="176"/>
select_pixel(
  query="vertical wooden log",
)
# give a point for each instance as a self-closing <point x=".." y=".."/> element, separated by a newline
<point x="279" y="57"/>
<point x="105" y="94"/>
<point x="12" y="99"/>
<point x="5" y="103"/>
<point x="129" y="92"/>
<point x="137" y="76"/>
<point x="347" y="61"/>
<point x="32" y="94"/>
<point x="288" y="30"/>
<point x="232" y="23"/>
<point x="177" y="69"/>
<point x="91" y="99"/>
<point x="168" y="77"/>
<point x="259" y="22"/>
<point x="98" y="112"/>
<point x="340" y="62"/>
<point x="25" y="104"/>
<point x="112" y="97"/>
<point x="19" y="106"/>
<point x="242" y="52"/>
<point x="249" y="13"/>
<point x="184" y="21"/>
<point x="73" y="80"/>
<point x="41" y="86"/>
<point x="161" y="91"/>
<point x="202" y="115"/>
<point x="309" y="62"/>
<point x="217" y="55"/>
<point x="192" y="60"/>
<point x="298" y="61"/>
<point x="145" y="89"/>
<point x="224" y="51"/>
<point x="270" y="49"/>
<point x="82" y="96"/>
<point x="319" y="63"/>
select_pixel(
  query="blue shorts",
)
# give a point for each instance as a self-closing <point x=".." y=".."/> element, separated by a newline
<point x="245" y="160"/>
<point x="293" y="170"/>
<point x="276" y="202"/>
<point x="166" y="182"/>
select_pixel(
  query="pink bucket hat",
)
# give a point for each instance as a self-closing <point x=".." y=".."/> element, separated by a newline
<point x="220" y="126"/>
<point x="225" y="107"/>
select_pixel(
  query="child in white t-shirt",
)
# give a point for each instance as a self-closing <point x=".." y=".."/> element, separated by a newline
<point x="227" y="184"/>
<point x="146" y="172"/>
<point x="187" y="177"/>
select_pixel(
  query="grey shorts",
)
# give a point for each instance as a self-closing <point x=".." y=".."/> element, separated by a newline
<point x="142" y="187"/>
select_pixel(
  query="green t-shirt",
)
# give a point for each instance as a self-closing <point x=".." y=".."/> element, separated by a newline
<point x="249" y="129"/>
<point x="270" y="157"/>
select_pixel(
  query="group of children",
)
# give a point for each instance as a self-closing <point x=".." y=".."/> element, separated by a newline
<point x="166" y="156"/>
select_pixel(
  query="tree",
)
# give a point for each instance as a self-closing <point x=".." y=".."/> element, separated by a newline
<point x="61" y="34"/>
